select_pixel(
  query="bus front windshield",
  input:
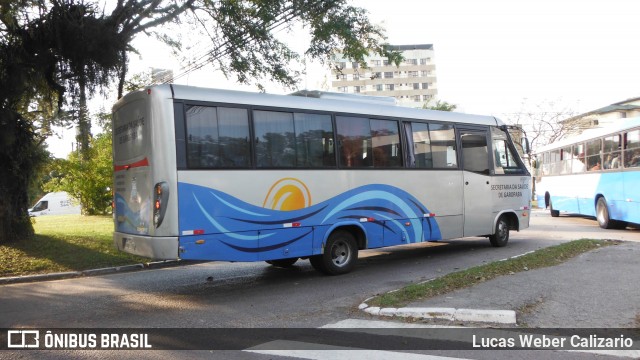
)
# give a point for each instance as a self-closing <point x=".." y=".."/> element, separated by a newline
<point x="506" y="159"/>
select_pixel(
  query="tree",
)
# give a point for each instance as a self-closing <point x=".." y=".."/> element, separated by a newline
<point x="60" y="52"/>
<point x="439" y="105"/>
<point x="545" y="122"/>
<point x="88" y="178"/>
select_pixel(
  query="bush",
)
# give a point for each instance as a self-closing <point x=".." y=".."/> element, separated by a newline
<point x="87" y="180"/>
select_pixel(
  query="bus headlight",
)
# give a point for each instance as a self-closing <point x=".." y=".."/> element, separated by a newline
<point x="160" y="202"/>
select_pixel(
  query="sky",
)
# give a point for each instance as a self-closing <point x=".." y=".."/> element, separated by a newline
<point x="493" y="57"/>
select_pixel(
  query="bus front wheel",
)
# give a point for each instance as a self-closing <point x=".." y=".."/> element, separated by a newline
<point x="339" y="256"/>
<point x="602" y="214"/>
<point x="501" y="235"/>
<point x="548" y="204"/>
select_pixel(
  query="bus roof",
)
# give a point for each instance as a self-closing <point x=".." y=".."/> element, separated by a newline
<point x="338" y="104"/>
<point x="618" y="126"/>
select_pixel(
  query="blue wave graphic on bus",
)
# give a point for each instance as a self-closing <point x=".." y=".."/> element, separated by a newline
<point x="248" y="228"/>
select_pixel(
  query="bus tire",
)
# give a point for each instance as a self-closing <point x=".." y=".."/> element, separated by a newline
<point x="554" y="213"/>
<point x="602" y="215"/>
<point x="283" y="263"/>
<point x="501" y="235"/>
<point x="339" y="256"/>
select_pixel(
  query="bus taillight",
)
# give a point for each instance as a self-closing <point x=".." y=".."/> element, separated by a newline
<point x="161" y="198"/>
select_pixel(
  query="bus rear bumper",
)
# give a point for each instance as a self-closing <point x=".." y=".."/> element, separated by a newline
<point x="154" y="247"/>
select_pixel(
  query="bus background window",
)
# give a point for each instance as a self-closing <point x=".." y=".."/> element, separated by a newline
<point x="314" y="140"/>
<point x="632" y="149"/>
<point x="611" y="153"/>
<point x="594" y="155"/>
<point x="217" y="137"/>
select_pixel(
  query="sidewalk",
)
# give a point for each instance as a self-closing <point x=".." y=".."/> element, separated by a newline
<point x="90" y="272"/>
<point x="598" y="289"/>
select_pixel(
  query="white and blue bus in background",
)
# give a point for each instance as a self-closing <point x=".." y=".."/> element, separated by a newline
<point x="204" y="174"/>
<point x="596" y="173"/>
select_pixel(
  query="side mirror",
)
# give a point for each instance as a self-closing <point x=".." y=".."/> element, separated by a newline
<point x="525" y="145"/>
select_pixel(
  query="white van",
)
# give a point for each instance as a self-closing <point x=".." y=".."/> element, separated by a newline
<point x="55" y="203"/>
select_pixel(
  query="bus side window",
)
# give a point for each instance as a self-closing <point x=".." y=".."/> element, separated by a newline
<point x="566" y="156"/>
<point x="594" y="155"/>
<point x="578" y="165"/>
<point x="418" y="146"/>
<point x="314" y="140"/>
<point x="443" y="146"/>
<point x="545" y="165"/>
<point x="354" y="142"/>
<point x="632" y="149"/>
<point x="217" y="137"/>
<point x="555" y="161"/>
<point x="202" y="137"/>
<point x="275" y="140"/>
<point x="385" y="143"/>
<point x="431" y="146"/>
<point x="364" y="143"/>
<point x="233" y="128"/>
<point x="611" y="154"/>
<point x="475" y="155"/>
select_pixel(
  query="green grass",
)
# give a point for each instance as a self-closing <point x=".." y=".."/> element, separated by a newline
<point x="546" y="257"/>
<point x="64" y="243"/>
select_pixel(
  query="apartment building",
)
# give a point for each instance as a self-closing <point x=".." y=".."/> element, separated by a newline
<point x="412" y="83"/>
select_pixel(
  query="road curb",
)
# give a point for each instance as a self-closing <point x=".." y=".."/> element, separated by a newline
<point x="90" y="272"/>
<point x="449" y="314"/>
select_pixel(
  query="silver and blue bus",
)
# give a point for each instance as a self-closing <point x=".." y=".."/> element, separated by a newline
<point x="206" y="174"/>
<point x="596" y="173"/>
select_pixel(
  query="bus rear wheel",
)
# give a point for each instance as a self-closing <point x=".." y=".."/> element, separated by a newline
<point x="501" y="235"/>
<point x="282" y="263"/>
<point x="339" y="256"/>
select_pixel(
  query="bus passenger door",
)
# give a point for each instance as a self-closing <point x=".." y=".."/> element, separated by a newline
<point x="478" y="216"/>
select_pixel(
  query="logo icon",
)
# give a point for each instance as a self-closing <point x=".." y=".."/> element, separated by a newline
<point x="288" y="194"/>
<point x="22" y="339"/>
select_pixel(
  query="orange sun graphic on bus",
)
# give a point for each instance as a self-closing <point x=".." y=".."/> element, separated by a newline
<point x="288" y="194"/>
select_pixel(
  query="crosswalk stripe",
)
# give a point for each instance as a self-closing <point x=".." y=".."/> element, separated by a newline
<point x="314" y="351"/>
<point x="326" y="352"/>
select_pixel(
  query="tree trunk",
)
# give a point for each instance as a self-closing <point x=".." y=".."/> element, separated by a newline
<point x="19" y="156"/>
<point x="84" y="122"/>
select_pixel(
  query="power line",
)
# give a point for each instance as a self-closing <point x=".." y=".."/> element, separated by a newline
<point x="224" y="49"/>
